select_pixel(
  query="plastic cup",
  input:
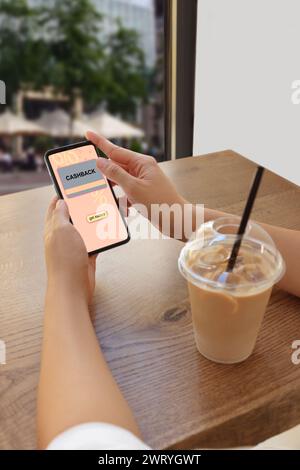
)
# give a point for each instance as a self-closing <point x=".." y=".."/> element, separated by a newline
<point x="227" y="314"/>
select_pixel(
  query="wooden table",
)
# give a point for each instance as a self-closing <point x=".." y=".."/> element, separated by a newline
<point x="143" y="322"/>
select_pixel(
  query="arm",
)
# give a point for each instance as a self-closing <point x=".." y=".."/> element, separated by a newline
<point x="76" y="385"/>
<point x="288" y="243"/>
<point x="145" y="183"/>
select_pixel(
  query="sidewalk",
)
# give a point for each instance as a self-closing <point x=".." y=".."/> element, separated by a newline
<point x="20" y="181"/>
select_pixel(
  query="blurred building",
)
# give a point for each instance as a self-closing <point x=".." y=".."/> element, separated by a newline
<point x="134" y="14"/>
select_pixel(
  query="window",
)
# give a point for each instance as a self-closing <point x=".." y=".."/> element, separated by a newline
<point x="180" y="46"/>
<point x="123" y="76"/>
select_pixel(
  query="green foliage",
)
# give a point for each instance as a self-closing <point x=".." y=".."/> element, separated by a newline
<point x="43" y="142"/>
<point x="75" y="53"/>
<point x="58" y="43"/>
<point x="136" y="146"/>
<point x="22" y="53"/>
<point x="125" y="69"/>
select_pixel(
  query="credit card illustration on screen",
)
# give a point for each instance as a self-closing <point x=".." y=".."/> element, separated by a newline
<point x="81" y="178"/>
<point x="92" y="205"/>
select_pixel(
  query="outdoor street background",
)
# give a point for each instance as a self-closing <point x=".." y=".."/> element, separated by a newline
<point x="76" y="65"/>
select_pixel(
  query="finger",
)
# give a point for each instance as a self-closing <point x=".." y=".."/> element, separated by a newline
<point x="93" y="259"/>
<point x="116" y="174"/>
<point x="124" y="210"/>
<point x="61" y="213"/>
<point x="122" y="165"/>
<point x="118" y="154"/>
<point x="51" y="208"/>
<point x="124" y="204"/>
<point x="105" y="145"/>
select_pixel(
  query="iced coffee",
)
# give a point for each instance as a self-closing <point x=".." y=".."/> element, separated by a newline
<point x="228" y="307"/>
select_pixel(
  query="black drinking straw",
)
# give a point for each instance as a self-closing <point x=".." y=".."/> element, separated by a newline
<point x="245" y="218"/>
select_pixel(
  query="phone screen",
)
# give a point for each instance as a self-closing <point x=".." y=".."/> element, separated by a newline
<point x="92" y="206"/>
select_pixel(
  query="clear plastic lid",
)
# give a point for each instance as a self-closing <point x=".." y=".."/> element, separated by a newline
<point x="204" y="259"/>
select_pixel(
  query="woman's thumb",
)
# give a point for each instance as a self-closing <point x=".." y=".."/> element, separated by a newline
<point x="61" y="212"/>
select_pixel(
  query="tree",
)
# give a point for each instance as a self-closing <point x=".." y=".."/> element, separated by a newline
<point x="58" y="43"/>
<point x="22" y="53"/>
<point x="71" y="29"/>
<point x="125" y="72"/>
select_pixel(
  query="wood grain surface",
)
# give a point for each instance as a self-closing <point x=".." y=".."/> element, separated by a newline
<point x="143" y="322"/>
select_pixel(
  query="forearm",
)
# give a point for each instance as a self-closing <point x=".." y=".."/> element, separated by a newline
<point x="76" y="385"/>
<point x="288" y="243"/>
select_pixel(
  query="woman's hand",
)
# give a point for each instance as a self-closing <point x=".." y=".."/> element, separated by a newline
<point x="67" y="260"/>
<point x="139" y="175"/>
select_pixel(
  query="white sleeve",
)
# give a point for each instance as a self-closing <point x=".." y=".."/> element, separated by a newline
<point x="96" y="436"/>
<point x="288" y="440"/>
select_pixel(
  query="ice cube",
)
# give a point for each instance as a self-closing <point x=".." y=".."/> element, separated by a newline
<point x="214" y="255"/>
<point x="253" y="273"/>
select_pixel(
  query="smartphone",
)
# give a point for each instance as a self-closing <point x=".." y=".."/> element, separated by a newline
<point x="88" y="194"/>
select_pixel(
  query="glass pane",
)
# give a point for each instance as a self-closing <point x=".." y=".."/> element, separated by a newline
<point x="63" y="65"/>
<point x="247" y="82"/>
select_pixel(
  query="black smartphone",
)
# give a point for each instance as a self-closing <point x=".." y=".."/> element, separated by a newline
<point x="90" y="198"/>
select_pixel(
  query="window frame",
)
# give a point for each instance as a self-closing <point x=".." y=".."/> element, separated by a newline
<point x="180" y="19"/>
